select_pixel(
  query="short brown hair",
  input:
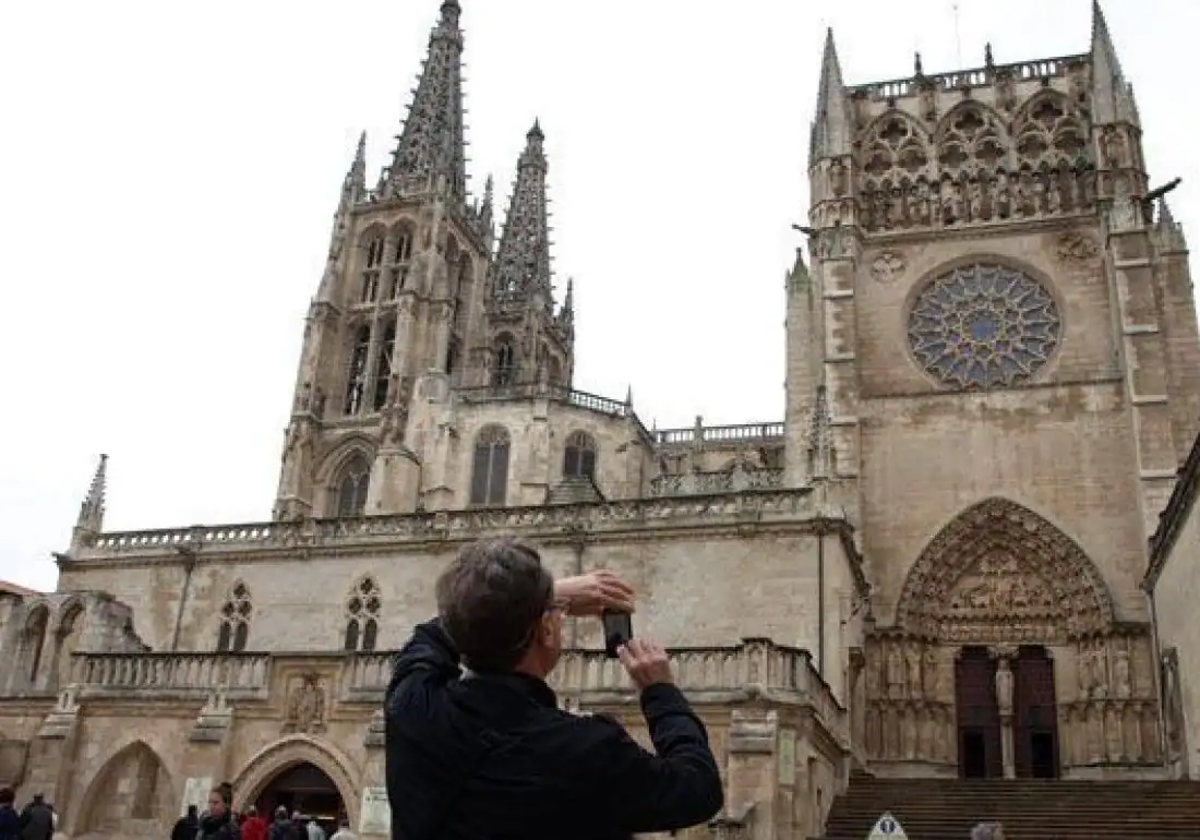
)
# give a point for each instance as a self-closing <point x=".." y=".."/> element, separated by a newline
<point x="7" y="796"/>
<point x="490" y="600"/>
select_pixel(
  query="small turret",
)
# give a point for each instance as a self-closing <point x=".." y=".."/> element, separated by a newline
<point x="91" y="513"/>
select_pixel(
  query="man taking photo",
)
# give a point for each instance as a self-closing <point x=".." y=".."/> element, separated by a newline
<point x="486" y="752"/>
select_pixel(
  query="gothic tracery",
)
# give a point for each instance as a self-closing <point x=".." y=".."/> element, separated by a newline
<point x="975" y="166"/>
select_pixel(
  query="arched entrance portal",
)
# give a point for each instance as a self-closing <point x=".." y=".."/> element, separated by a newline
<point x="999" y="609"/>
<point x="307" y="789"/>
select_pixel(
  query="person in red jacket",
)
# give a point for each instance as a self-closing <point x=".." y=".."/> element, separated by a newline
<point x="254" y="827"/>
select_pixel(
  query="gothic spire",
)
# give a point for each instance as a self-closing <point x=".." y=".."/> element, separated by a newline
<point x="832" y="125"/>
<point x="91" y="512"/>
<point x="1112" y="96"/>
<point x="354" y="187"/>
<point x="521" y="270"/>
<point x="432" y="152"/>
<point x="1169" y="232"/>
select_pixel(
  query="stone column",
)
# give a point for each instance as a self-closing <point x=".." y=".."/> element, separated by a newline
<point x="1004" y="700"/>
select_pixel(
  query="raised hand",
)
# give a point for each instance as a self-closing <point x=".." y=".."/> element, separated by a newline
<point x="593" y="593"/>
<point x="646" y="662"/>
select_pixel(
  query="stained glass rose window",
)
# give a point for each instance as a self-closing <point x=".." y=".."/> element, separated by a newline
<point x="984" y="326"/>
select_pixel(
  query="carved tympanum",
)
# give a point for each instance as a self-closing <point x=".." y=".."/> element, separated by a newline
<point x="1001" y="573"/>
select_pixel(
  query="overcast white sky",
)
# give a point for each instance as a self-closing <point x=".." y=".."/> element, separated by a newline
<point x="168" y="172"/>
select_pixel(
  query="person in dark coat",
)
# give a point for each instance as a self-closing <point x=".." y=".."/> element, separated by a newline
<point x="10" y="820"/>
<point x="490" y="754"/>
<point x="187" y="826"/>
<point x="282" y="828"/>
<point x="217" y="822"/>
<point x="37" y="820"/>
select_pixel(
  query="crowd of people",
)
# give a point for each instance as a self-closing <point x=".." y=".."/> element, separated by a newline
<point x="221" y="822"/>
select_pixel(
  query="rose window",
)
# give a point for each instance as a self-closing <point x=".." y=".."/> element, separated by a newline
<point x="984" y="326"/>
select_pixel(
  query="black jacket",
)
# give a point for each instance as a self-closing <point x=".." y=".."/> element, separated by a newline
<point x="492" y="756"/>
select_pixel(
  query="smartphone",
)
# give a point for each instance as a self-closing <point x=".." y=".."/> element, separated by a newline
<point x="618" y="629"/>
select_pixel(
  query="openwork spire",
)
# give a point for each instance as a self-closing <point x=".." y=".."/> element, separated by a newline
<point x="431" y="153"/>
<point x="91" y="512"/>
<point x="521" y="271"/>
<point x="1112" y="96"/>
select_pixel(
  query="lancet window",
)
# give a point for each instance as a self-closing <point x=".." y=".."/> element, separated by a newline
<point x="356" y="385"/>
<point x="579" y="456"/>
<point x="489" y="475"/>
<point x="235" y="620"/>
<point x="402" y="238"/>
<point x="362" y="616"/>
<point x="505" y="372"/>
<point x="351" y="488"/>
<point x="383" y="365"/>
<point x="372" y="268"/>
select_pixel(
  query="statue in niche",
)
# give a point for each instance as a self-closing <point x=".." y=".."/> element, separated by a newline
<point x="976" y="199"/>
<point x="1173" y="701"/>
<point x="1122" y="676"/>
<point x="1004" y="686"/>
<point x="837" y="178"/>
<point x="872" y="677"/>
<point x="895" y="672"/>
<point x="923" y="200"/>
<point x="932" y="674"/>
<point x="306" y="706"/>
<point x="1099" y="668"/>
<point x="912" y="661"/>
<point x="1116" y="151"/>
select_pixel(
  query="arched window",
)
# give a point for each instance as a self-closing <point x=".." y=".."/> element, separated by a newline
<point x="235" y="620"/>
<point x="362" y="616"/>
<point x="383" y="366"/>
<point x="506" y="363"/>
<point x="352" y="488"/>
<point x="403" y="237"/>
<point x="35" y="639"/>
<point x="374" y="261"/>
<point x="356" y="385"/>
<point x="489" y="475"/>
<point x="579" y="458"/>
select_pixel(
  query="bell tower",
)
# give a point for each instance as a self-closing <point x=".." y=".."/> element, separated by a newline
<point x="401" y="296"/>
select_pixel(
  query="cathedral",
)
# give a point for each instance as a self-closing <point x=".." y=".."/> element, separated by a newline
<point x="952" y="558"/>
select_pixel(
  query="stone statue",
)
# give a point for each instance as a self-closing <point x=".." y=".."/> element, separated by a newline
<point x="895" y="672"/>
<point x="912" y="661"/>
<point x="1004" y="687"/>
<point x="306" y="710"/>
<point x="1122" y="676"/>
<point x="932" y="674"/>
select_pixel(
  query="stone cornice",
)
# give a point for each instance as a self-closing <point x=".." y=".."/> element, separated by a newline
<point x="733" y="513"/>
<point x="1173" y="517"/>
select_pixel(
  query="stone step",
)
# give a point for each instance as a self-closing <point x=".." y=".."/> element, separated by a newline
<point x="947" y="809"/>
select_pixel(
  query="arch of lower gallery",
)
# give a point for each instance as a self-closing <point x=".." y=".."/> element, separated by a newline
<point x="1006" y="660"/>
<point x="131" y="794"/>
<point x="299" y="772"/>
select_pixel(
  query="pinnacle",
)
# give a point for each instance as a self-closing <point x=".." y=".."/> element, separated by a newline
<point x="536" y="132"/>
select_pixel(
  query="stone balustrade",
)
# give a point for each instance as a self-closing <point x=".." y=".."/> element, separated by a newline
<point x="1047" y="68"/>
<point x="702" y="483"/>
<point x="171" y="674"/>
<point x="539" y="523"/>
<point x="753" y="670"/>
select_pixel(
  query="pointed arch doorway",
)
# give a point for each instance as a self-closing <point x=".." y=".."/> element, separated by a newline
<point x="306" y="789"/>
<point x="991" y="602"/>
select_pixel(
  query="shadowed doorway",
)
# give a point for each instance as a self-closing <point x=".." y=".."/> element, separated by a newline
<point x="305" y="788"/>
<point x="979" y="755"/>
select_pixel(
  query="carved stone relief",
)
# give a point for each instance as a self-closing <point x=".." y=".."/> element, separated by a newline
<point x="907" y="717"/>
<point x="888" y="267"/>
<point x="1076" y="247"/>
<point x="1000" y="573"/>
<point x="306" y="705"/>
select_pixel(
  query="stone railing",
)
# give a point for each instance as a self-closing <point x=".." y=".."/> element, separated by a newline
<point x="711" y="483"/>
<point x="718" y="435"/>
<point x="755" y="669"/>
<point x="1046" y="68"/>
<point x="535" y="522"/>
<point x="183" y="674"/>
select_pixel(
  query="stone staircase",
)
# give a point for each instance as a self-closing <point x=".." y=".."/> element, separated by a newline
<point x="574" y="491"/>
<point x="1030" y="809"/>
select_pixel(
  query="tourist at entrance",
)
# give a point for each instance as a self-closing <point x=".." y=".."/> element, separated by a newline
<point x="187" y="826"/>
<point x="254" y="827"/>
<point x="313" y="829"/>
<point x="490" y="754"/>
<point x="37" y="820"/>
<point x="283" y="828"/>
<point x="10" y="820"/>
<point x="217" y="822"/>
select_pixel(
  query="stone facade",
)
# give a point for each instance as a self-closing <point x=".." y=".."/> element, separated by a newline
<point x="931" y="566"/>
